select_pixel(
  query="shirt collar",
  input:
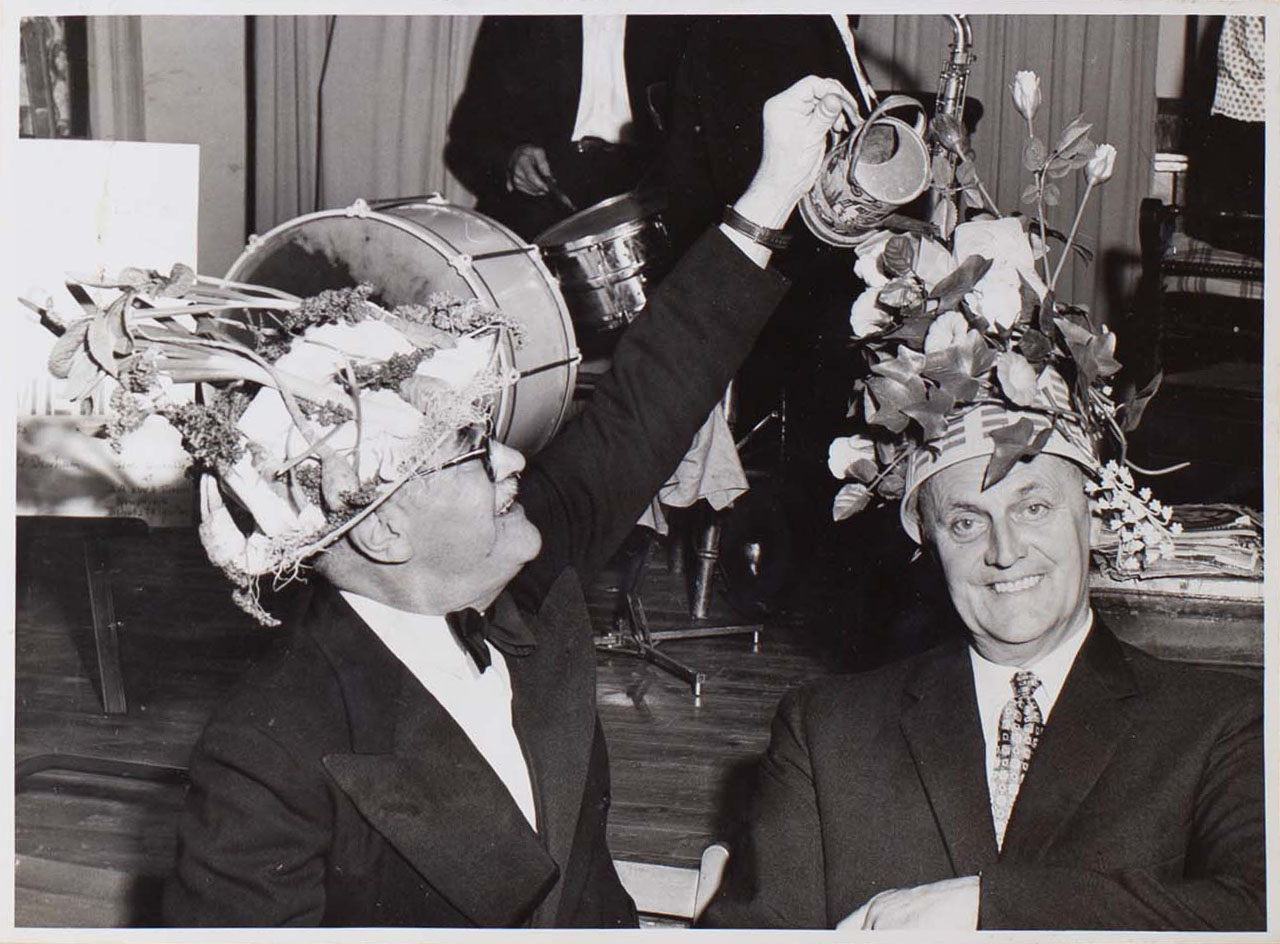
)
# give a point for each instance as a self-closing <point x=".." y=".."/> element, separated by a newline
<point x="423" y="642"/>
<point x="1051" y="668"/>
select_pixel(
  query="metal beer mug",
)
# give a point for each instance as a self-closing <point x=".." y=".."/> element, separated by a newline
<point x="884" y="164"/>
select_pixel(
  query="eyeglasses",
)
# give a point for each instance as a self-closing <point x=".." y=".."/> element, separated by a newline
<point x="481" y="448"/>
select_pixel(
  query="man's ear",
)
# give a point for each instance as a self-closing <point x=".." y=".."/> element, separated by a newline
<point x="1097" y="529"/>
<point x="383" y="536"/>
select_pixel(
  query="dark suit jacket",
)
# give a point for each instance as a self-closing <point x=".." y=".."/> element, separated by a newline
<point x="524" y="84"/>
<point x="1142" y="807"/>
<point x="334" y="789"/>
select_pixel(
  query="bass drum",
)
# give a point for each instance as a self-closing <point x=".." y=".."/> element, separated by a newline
<point x="408" y="249"/>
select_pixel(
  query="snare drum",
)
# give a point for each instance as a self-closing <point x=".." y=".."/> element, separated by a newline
<point x="409" y="249"/>
<point x="605" y="256"/>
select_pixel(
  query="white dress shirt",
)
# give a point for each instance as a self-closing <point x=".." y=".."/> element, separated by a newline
<point x="992" y="683"/>
<point x="604" y="104"/>
<point x="479" y="701"/>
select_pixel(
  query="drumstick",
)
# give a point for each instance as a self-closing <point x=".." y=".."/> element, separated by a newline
<point x="559" y="194"/>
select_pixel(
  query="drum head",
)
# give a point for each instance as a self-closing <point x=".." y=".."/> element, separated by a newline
<point x="604" y="219"/>
<point x="417" y="249"/>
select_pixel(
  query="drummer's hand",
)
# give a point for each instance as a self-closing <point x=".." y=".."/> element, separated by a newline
<point x="796" y="122"/>
<point x="529" y="171"/>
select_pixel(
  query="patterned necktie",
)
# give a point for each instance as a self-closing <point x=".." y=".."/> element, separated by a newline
<point x="1020" y="726"/>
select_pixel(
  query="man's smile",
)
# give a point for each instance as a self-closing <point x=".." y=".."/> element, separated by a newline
<point x="1017" y="586"/>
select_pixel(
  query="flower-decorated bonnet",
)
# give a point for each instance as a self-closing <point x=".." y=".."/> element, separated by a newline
<point x="970" y="354"/>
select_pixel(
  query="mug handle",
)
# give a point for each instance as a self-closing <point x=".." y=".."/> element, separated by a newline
<point x="892" y="103"/>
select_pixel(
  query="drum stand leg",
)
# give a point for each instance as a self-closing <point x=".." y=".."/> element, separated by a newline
<point x="639" y="640"/>
<point x="643" y="642"/>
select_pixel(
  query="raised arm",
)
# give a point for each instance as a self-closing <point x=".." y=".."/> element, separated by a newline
<point x="587" y="489"/>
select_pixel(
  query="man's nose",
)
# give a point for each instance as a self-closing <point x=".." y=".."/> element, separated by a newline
<point x="1005" y="546"/>
<point x="506" y="461"/>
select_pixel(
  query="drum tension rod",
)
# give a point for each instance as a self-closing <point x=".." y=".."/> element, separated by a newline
<point x="575" y="359"/>
<point x="499" y="253"/>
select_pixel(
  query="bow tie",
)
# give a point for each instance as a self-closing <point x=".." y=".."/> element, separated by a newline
<point x="501" y="625"/>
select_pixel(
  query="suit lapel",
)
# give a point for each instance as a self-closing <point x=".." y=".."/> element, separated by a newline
<point x="941" y="726"/>
<point x="553" y="697"/>
<point x="419" y="781"/>
<point x="1091" y="716"/>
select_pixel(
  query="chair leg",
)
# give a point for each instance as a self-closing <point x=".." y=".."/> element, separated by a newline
<point x="105" y="636"/>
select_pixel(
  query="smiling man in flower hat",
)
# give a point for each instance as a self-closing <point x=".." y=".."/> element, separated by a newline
<point x="1045" y="774"/>
<point x="426" y="750"/>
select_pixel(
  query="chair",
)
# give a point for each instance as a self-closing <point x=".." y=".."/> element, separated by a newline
<point x="1202" y="314"/>
<point x="671" y="896"/>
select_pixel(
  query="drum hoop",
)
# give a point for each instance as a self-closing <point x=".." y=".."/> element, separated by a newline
<point x="474" y="281"/>
<point x="629" y="228"/>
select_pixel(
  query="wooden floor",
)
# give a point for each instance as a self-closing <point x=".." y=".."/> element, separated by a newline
<point x="92" y="849"/>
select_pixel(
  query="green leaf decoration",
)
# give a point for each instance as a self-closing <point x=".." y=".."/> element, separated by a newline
<point x="101" y="345"/>
<point x="1129" y="413"/>
<point x="1034" y="153"/>
<point x="905" y="367"/>
<point x="984" y="358"/>
<point x="952" y="371"/>
<point x="1058" y="168"/>
<point x="1076" y="129"/>
<point x="67" y="347"/>
<point x="84" y="378"/>
<point x="1030" y="300"/>
<point x="892" y="486"/>
<point x="951" y="290"/>
<point x="1035" y="347"/>
<point x="850" y="500"/>
<point x="1017" y="441"/>
<point x="898" y="257"/>
<point x="890" y="399"/>
<point x="1052" y="194"/>
<point x="1030" y="193"/>
<point x="912" y="330"/>
<point x="864" y="470"/>
<point x="932" y="413"/>
<point x="1081" y="147"/>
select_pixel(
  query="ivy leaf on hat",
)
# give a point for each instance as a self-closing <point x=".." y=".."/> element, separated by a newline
<point x="1017" y="441"/>
<point x="950" y="291"/>
<point x="1129" y="412"/>
<point x="932" y="413"/>
<point x="898" y="385"/>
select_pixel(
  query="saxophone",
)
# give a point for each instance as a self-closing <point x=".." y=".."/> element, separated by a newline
<point x="955" y="73"/>
<point x="948" y="139"/>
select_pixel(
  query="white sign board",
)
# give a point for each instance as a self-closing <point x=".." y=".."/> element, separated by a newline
<point x="91" y="208"/>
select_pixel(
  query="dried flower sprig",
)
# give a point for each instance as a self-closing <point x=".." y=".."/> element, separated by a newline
<point x="1142" y="524"/>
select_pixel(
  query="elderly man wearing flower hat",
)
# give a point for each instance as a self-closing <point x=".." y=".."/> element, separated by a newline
<point x="426" y="750"/>
<point x="1045" y="774"/>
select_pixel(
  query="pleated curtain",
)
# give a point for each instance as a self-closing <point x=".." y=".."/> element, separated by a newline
<point x="370" y="122"/>
<point x="1103" y="66"/>
<point x="376" y="127"/>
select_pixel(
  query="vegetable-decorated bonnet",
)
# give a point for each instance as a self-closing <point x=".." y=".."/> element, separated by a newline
<point x="310" y="412"/>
